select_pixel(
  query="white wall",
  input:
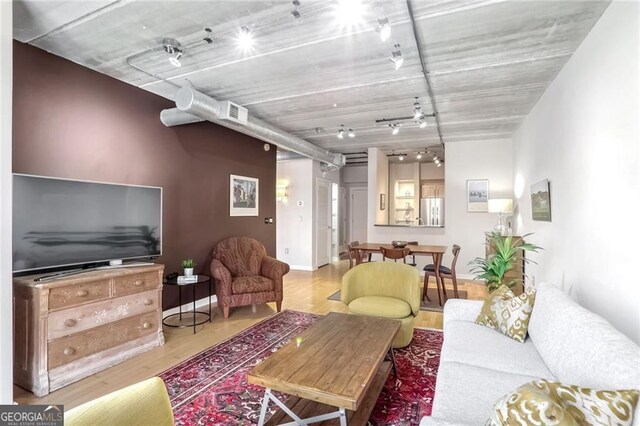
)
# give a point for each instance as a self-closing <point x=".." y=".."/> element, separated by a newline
<point x="465" y="160"/>
<point x="294" y="224"/>
<point x="295" y="228"/>
<point x="6" y="305"/>
<point x="377" y="183"/>
<point x="431" y="171"/>
<point x="353" y="175"/>
<point x="583" y="136"/>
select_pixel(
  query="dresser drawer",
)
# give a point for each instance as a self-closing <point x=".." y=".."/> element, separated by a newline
<point x="77" y="294"/>
<point x="80" y="318"/>
<point x="135" y="283"/>
<point x="67" y="349"/>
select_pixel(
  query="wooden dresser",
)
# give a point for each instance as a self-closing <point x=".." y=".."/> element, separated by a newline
<point x="69" y="328"/>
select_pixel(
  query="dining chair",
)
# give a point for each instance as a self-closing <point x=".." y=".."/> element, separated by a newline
<point x="395" y="254"/>
<point x="355" y="256"/>
<point x="450" y="273"/>
<point x="413" y="256"/>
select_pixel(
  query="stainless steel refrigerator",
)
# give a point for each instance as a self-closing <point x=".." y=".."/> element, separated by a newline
<point x="432" y="211"/>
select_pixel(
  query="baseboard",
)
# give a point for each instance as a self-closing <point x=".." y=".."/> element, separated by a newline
<point x="189" y="306"/>
<point x="302" y="268"/>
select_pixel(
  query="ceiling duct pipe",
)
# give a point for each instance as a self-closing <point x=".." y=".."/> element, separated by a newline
<point x="195" y="106"/>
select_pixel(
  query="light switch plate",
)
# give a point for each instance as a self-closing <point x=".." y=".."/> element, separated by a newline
<point x="300" y="203"/>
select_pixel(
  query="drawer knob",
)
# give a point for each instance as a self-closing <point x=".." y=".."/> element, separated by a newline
<point x="137" y="283"/>
<point x="148" y="302"/>
<point x="70" y="322"/>
<point x="147" y="324"/>
<point x="82" y="293"/>
<point x="69" y="351"/>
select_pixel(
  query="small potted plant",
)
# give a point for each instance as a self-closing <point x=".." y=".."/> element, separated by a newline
<point x="187" y="266"/>
<point x="493" y="268"/>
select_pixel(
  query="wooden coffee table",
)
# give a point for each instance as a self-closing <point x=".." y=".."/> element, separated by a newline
<point x="336" y="363"/>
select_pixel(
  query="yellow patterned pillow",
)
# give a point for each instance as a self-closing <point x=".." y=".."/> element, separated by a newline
<point x="507" y="313"/>
<point x="543" y="402"/>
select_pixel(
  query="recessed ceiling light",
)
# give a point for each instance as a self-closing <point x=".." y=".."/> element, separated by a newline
<point x="384" y="29"/>
<point x="396" y="56"/>
<point x="244" y="39"/>
<point x="349" y="13"/>
<point x="351" y="134"/>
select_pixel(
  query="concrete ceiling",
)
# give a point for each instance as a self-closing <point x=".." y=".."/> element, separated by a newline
<point x="489" y="61"/>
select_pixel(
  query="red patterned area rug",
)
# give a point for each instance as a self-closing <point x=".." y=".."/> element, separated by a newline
<point x="211" y="387"/>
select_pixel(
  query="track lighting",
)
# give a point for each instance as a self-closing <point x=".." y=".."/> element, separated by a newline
<point x="295" y="12"/>
<point x="419" y="156"/>
<point x="172" y="47"/>
<point x="341" y="132"/>
<point x="208" y="37"/>
<point x="439" y="164"/>
<point x="422" y="122"/>
<point x="245" y="39"/>
<point x="349" y="13"/>
<point x="401" y="157"/>
<point x="394" y="129"/>
<point x="351" y="134"/>
<point x="384" y="29"/>
<point x="396" y="56"/>
<point x="417" y="110"/>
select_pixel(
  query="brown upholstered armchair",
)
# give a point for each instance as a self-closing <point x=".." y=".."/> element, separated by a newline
<point x="245" y="275"/>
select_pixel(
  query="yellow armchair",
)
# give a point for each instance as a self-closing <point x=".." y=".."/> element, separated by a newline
<point x="386" y="290"/>
<point x="141" y="404"/>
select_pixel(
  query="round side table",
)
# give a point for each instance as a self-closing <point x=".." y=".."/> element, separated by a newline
<point x="201" y="280"/>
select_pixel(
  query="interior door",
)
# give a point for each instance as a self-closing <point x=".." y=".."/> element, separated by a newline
<point x="358" y="215"/>
<point x="323" y="222"/>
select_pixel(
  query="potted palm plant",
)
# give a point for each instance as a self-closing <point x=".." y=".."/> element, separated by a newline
<point x="187" y="266"/>
<point x="493" y="268"/>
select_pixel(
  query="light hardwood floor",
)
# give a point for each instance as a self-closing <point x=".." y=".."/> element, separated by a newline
<point x="303" y="291"/>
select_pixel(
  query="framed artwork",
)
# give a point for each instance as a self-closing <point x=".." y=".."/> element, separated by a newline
<point x="243" y="196"/>
<point x="478" y="196"/>
<point x="383" y="201"/>
<point x="541" y="201"/>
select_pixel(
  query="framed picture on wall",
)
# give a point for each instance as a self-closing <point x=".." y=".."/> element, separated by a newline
<point x="383" y="201"/>
<point x="541" y="201"/>
<point x="243" y="196"/>
<point x="478" y="196"/>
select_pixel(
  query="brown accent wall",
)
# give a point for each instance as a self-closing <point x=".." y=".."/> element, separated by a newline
<point x="72" y="122"/>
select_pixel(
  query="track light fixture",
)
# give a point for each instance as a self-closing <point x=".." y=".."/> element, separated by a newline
<point x="394" y="128"/>
<point x="351" y="133"/>
<point x="295" y="12"/>
<point x="349" y="13"/>
<point x="439" y="164"/>
<point x="417" y="110"/>
<point x="422" y="122"/>
<point x="396" y="56"/>
<point x="244" y="39"/>
<point x="341" y="132"/>
<point x="384" y="29"/>
<point x="419" y="156"/>
<point x="208" y="36"/>
<point x="173" y="48"/>
<point x="401" y="157"/>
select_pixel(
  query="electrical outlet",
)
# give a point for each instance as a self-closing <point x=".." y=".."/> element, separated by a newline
<point x="300" y="203"/>
<point x="286" y="251"/>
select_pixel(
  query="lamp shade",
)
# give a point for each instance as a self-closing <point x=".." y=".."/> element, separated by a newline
<point x="500" y="205"/>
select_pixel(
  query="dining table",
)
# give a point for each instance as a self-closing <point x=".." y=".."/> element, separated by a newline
<point x="435" y="251"/>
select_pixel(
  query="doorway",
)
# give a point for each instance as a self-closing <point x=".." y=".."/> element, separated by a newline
<point x="358" y="214"/>
<point x="323" y="222"/>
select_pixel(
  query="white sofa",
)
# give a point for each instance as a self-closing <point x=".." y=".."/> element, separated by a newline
<point x="566" y="343"/>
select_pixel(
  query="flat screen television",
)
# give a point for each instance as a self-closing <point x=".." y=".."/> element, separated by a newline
<point x="61" y="222"/>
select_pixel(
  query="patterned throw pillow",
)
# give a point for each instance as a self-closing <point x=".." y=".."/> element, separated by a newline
<point x="507" y="313"/>
<point x="543" y="402"/>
